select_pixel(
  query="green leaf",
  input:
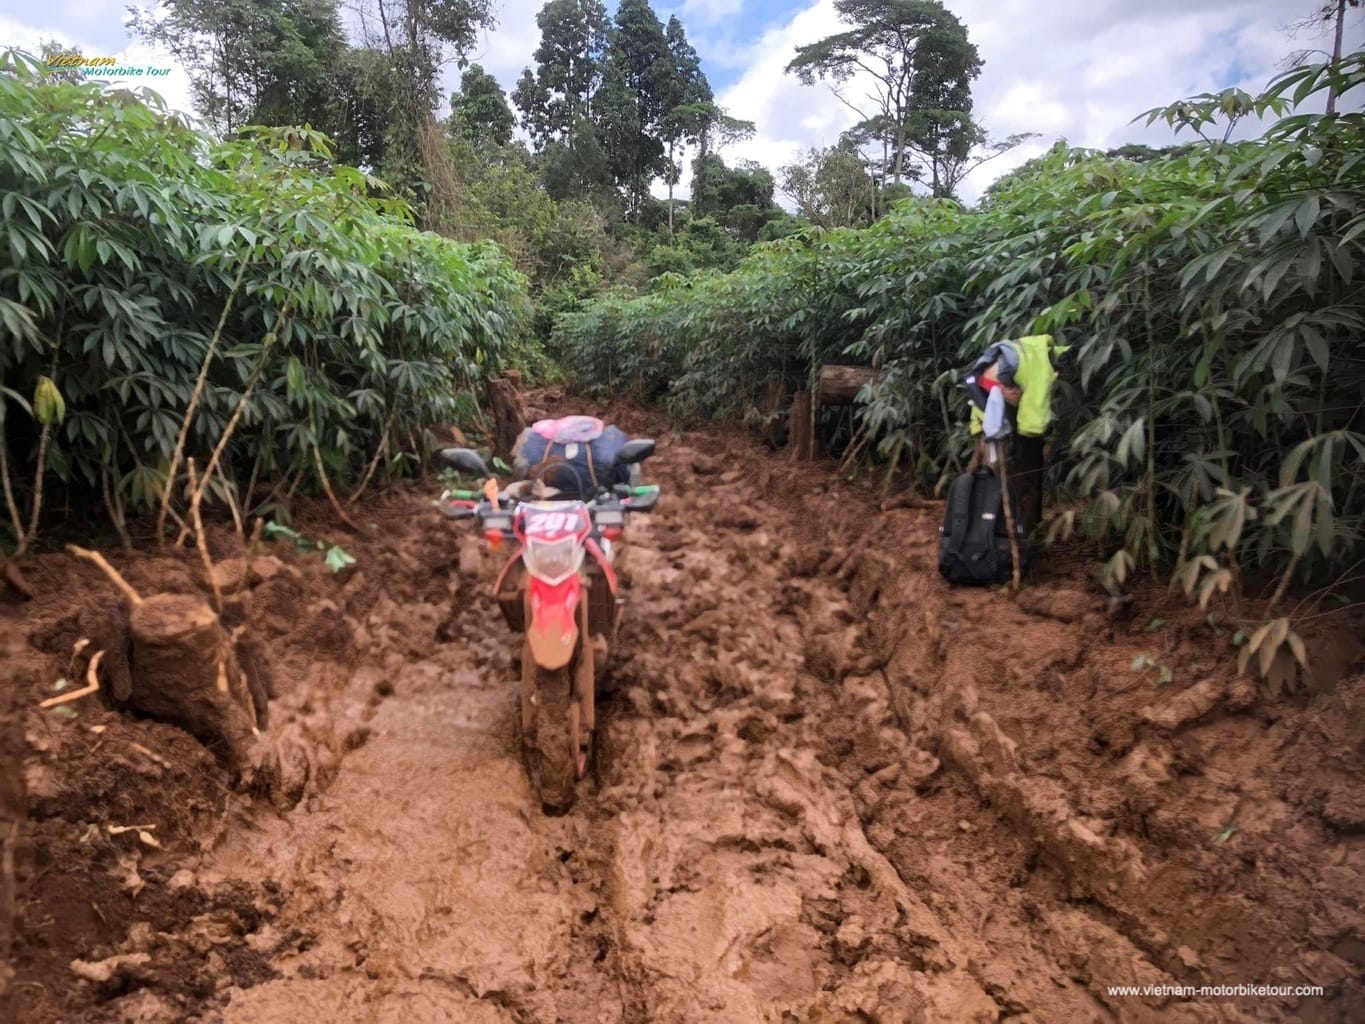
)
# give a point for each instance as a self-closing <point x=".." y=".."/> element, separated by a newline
<point x="1132" y="446"/>
<point x="1223" y="836"/>
<point x="1307" y="214"/>
<point x="272" y="529"/>
<point x="337" y="559"/>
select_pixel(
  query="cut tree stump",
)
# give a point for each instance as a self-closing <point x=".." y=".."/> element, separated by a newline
<point x="508" y="410"/>
<point x="839" y="385"/>
<point x="186" y="673"/>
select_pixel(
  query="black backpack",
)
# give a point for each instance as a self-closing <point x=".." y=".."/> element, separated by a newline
<point x="976" y="545"/>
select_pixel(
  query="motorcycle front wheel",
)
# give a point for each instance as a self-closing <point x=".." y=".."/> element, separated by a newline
<point x="547" y="734"/>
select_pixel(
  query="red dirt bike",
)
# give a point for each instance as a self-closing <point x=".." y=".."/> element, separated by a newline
<point x="559" y="590"/>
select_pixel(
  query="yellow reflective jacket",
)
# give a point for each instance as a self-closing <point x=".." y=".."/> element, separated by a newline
<point x="1034" y="377"/>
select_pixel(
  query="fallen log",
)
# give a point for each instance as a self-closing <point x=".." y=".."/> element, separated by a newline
<point x="839" y="385"/>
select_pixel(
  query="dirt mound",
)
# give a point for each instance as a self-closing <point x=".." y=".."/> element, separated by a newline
<point x="1154" y="796"/>
<point x="829" y="789"/>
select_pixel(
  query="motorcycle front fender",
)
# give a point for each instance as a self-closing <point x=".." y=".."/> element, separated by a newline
<point x="552" y="621"/>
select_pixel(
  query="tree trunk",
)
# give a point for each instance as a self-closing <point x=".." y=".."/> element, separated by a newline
<point x="670" y="189"/>
<point x="1336" y="55"/>
<point x="801" y="434"/>
<point x="772" y="406"/>
<point x="839" y="385"/>
<point x="509" y="413"/>
<point x="699" y="179"/>
<point x="900" y="152"/>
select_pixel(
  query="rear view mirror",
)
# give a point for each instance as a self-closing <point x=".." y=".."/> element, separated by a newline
<point x="635" y="451"/>
<point x="466" y="460"/>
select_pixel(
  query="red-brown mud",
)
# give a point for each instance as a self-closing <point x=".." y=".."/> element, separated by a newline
<point x="829" y="789"/>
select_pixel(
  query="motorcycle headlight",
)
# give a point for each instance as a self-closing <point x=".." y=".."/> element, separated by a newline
<point x="553" y="561"/>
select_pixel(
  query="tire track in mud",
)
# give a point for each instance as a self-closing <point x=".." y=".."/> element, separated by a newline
<point x="423" y="887"/>
<point x="762" y="843"/>
<point x="717" y="870"/>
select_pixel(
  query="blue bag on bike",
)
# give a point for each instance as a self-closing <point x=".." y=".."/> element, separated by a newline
<point x="575" y="455"/>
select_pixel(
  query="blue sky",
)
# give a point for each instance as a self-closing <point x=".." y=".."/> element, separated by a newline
<point x="1073" y="69"/>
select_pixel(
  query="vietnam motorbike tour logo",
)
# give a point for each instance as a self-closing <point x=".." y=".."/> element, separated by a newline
<point x="104" y="67"/>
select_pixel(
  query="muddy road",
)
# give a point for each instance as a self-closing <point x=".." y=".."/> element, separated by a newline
<point x="823" y="794"/>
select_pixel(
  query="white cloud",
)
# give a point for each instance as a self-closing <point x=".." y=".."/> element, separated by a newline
<point x="506" y="50"/>
<point x="1074" y="69"/>
<point x="707" y="12"/>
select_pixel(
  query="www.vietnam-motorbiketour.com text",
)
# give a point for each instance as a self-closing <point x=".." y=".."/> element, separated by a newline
<point x="1215" y="991"/>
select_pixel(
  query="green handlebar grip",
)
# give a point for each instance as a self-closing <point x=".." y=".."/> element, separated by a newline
<point x="466" y="495"/>
<point x="640" y="492"/>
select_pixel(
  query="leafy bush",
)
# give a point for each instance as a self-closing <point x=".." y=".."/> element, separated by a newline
<point x="1212" y="415"/>
<point x="306" y="328"/>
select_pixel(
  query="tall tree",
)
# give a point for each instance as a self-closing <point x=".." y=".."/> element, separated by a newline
<point x="720" y="130"/>
<point x="366" y="98"/>
<point x="830" y="187"/>
<point x="555" y="97"/>
<point x="740" y="197"/>
<point x="419" y="38"/>
<point x="479" y="111"/>
<point x="638" y="83"/>
<point x="915" y="58"/>
<point x="1330" y="15"/>
<point x="252" y="61"/>
<point x="686" y="101"/>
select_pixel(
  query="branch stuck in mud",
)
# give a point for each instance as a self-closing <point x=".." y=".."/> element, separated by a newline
<point x="134" y="598"/>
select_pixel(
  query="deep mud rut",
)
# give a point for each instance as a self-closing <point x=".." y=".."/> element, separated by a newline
<point x="817" y="799"/>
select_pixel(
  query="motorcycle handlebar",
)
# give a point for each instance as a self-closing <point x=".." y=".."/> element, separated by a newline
<point x="461" y="505"/>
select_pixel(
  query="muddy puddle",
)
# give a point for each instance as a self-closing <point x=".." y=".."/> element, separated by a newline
<point x="820" y="797"/>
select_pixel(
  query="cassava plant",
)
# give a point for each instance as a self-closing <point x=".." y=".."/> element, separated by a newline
<point x="247" y="303"/>
<point x="1210" y="422"/>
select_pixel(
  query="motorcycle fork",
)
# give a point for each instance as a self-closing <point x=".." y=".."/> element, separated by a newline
<point x="583" y="710"/>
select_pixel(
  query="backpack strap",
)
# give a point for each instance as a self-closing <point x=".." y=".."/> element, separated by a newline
<point x="959" y="512"/>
